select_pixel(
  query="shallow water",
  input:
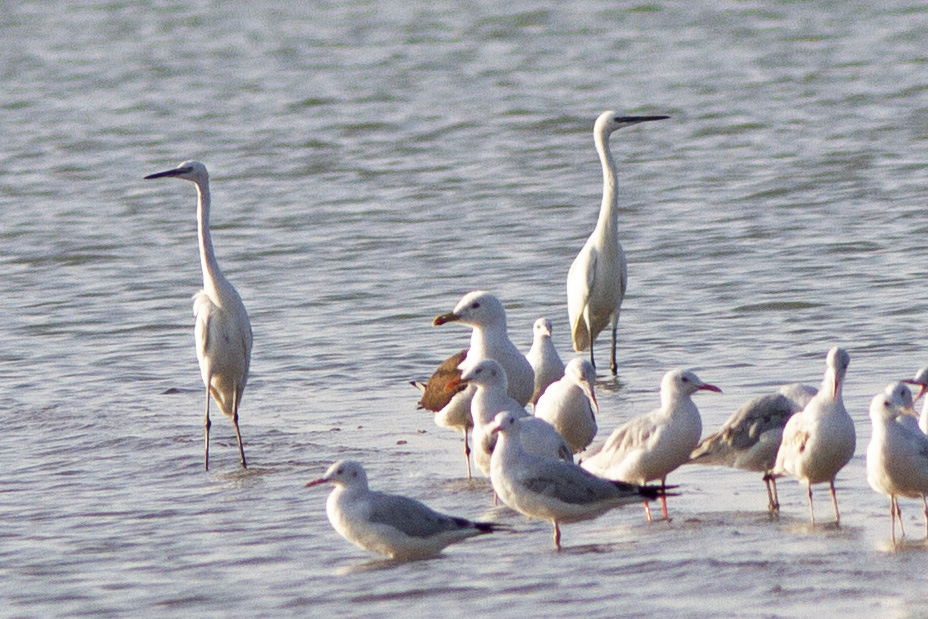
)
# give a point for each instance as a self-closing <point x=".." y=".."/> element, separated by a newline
<point x="371" y="163"/>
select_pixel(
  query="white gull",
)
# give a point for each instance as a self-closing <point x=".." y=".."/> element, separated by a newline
<point x="649" y="447"/>
<point x="538" y="436"/>
<point x="897" y="456"/>
<point x="570" y="404"/>
<point x="543" y="358"/>
<point x="552" y="490"/>
<point x="819" y="440"/>
<point x="750" y="438"/>
<point x="389" y="524"/>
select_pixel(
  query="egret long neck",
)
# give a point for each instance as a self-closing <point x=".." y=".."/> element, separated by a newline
<point x="214" y="283"/>
<point x="608" y="213"/>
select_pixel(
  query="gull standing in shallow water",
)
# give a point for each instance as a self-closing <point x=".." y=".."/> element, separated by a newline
<point x="543" y="358"/>
<point x="750" y="439"/>
<point x="538" y="437"/>
<point x="445" y="394"/>
<point x="389" y="524"/>
<point x="489" y="340"/>
<point x="819" y="440"/>
<point x="570" y="404"/>
<point x="223" y="332"/>
<point x="553" y="490"/>
<point x="598" y="277"/>
<point x="897" y="456"/>
<point x="649" y="447"/>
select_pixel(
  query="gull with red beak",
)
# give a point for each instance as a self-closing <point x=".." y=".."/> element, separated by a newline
<point x="389" y="524"/>
<point x="819" y="440"/>
<point x="649" y="447"/>
<point x="570" y="404"/>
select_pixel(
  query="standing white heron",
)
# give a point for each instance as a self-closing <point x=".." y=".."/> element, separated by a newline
<point x="223" y="331"/>
<point x="598" y="276"/>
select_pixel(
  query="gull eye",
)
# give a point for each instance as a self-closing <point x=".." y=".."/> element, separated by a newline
<point x="476" y="305"/>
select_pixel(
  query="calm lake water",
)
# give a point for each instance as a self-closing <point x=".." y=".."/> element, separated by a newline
<point x="372" y="162"/>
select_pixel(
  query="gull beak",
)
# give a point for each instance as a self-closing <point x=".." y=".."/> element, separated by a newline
<point x="708" y="387"/>
<point x="588" y="390"/>
<point x="317" y="482"/>
<point x="444" y="318"/>
<point x="908" y="411"/>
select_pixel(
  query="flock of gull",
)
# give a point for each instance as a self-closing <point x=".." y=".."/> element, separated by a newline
<point x="541" y="464"/>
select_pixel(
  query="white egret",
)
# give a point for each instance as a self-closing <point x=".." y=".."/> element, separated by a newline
<point x="223" y="331"/>
<point x="819" y="440"/>
<point x="389" y="524"/>
<point x="598" y="276"/>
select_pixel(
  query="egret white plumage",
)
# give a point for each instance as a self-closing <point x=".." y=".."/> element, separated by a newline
<point x="569" y="404"/>
<point x="651" y="446"/>
<point x="389" y="524"/>
<point x="598" y="277"/>
<point x="750" y="439"/>
<point x="223" y="331"/>
<point x="819" y="440"/>
<point x="897" y="456"/>
<point x="552" y="490"/>
<point x="543" y="358"/>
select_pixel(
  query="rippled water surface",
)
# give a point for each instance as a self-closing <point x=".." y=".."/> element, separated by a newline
<point x="373" y="161"/>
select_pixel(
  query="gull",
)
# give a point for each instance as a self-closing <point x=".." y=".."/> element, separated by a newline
<point x="538" y="436"/>
<point x="921" y="379"/>
<point x="552" y="490"/>
<point x="598" y="276"/>
<point x="543" y="358"/>
<point x="444" y="395"/>
<point x="819" y="440"/>
<point x="750" y="439"/>
<point x="649" y="447"/>
<point x="389" y="524"/>
<point x="570" y="404"/>
<point x="897" y="456"/>
<point x="485" y="315"/>
<point x="223" y="332"/>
